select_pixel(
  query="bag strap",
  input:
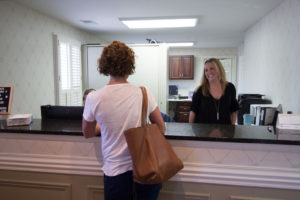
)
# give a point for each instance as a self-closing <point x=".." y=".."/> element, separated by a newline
<point x="144" y="106"/>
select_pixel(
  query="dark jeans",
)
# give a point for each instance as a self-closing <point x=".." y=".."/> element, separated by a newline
<point x="120" y="187"/>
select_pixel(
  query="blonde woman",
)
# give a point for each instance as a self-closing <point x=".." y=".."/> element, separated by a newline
<point x="214" y="101"/>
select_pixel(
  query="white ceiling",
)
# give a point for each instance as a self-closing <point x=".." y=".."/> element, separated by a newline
<point x="221" y="23"/>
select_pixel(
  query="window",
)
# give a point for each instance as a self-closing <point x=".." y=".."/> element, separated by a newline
<point x="69" y="83"/>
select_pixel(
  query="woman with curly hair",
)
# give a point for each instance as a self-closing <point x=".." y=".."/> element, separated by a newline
<point x="116" y="108"/>
<point x="214" y="100"/>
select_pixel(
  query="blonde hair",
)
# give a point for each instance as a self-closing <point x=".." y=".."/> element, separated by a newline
<point x="222" y="77"/>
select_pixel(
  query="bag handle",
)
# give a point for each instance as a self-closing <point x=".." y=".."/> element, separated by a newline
<point x="144" y="106"/>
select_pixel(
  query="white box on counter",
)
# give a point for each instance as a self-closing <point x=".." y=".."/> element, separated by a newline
<point x="288" y="121"/>
<point x="19" y="119"/>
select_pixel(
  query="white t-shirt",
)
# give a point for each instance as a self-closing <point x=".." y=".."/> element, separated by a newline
<point x="116" y="108"/>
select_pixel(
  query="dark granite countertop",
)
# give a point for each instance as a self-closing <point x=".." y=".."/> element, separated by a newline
<point x="48" y="126"/>
<point x="178" y="131"/>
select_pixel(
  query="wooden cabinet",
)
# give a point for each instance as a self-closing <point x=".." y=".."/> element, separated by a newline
<point x="183" y="111"/>
<point x="181" y="67"/>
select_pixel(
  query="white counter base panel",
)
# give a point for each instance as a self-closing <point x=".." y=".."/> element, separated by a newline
<point x="241" y="164"/>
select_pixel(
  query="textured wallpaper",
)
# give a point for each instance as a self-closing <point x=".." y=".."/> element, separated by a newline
<point x="270" y="57"/>
<point x="26" y="54"/>
<point x="184" y="86"/>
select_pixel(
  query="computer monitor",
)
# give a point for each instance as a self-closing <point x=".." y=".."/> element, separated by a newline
<point x="61" y="112"/>
<point x="173" y="90"/>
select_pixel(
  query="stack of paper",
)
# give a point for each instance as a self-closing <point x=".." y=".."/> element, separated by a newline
<point x="288" y="121"/>
<point x="19" y="119"/>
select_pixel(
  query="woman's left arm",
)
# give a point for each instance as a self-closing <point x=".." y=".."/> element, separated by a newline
<point x="233" y="118"/>
<point x="234" y="106"/>
<point x="89" y="128"/>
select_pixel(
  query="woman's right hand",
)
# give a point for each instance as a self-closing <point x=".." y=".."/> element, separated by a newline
<point x="192" y="117"/>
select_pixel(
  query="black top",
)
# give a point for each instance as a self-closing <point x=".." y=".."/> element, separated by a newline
<point x="206" y="107"/>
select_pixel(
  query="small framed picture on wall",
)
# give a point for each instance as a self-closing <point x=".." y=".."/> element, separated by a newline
<point x="6" y="93"/>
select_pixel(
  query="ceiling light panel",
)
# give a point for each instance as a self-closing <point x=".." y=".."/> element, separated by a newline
<point x="160" y="23"/>
<point x="180" y="44"/>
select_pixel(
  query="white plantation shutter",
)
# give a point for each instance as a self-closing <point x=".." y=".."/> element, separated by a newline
<point x="64" y="63"/>
<point x="75" y="66"/>
<point x="70" y="83"/>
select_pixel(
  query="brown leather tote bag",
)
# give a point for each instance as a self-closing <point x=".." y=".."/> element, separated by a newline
<point x="154" y="160"/>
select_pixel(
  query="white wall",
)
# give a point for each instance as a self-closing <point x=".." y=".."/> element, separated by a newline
<point x="150" y="70"/>
<point x="270" y="57"/>
<point x="26" y="54"/>
<point x="184" y="86"/>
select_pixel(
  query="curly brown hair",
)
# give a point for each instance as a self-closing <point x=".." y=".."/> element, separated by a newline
<point x="117" y="59"/>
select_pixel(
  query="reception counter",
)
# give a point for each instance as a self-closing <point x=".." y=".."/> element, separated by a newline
<point x="220" y="161"/>
<point x="175" y="131"/>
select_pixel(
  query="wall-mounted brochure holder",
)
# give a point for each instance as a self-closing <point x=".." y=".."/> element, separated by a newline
<point x="6" y="93"/>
